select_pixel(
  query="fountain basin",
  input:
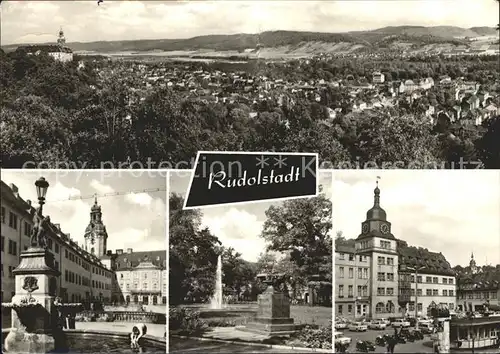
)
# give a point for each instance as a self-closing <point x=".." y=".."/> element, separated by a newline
<point x="97" y="341"/>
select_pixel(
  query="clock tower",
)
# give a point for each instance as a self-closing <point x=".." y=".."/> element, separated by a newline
<point x="95" y="234"/>
<point x="377" y="243"/>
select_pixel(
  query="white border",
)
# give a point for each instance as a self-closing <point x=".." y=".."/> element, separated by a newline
<point x="316" y="155"/>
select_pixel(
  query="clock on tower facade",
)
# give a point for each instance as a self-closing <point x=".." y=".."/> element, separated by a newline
<point x="96" y="235"/>
<point x="378" y="245"/>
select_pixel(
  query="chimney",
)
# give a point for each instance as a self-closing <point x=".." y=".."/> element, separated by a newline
<point x="28" y="202"/>
<point x="129" y="250"/>
<point x="58" y="226"/>
<point x="109" y="253"/>
<point x="119" y="251"/>
<point x="69" y="236"/>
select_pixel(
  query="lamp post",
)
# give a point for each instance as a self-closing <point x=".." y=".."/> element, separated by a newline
<point x="41" y="190"/>
<point x="415" y="270"/>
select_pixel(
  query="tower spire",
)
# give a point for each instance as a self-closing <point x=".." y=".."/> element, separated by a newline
<point x="376" y="199"/>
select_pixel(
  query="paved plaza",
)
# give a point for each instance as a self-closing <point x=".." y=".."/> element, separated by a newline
<point x="181" y="345"/>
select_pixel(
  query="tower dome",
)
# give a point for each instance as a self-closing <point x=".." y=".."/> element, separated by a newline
<point x="376" y="212"/>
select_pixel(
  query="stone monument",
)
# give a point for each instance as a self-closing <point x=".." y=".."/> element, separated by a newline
<point x="273" y="315"/>
<point x="34" y="326"/>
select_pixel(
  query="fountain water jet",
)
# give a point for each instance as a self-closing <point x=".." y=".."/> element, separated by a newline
<point x="216" y="301"/>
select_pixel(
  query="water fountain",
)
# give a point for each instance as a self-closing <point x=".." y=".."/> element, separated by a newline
<point x="216" y="301"/>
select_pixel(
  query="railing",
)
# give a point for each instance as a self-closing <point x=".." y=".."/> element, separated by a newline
<point x="144" y="317"/>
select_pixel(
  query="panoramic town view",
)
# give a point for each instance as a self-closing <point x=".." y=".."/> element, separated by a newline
<point x="253" y="277"/>
<point x="147" y="84"/>
<point x="83" y="256"/>
<point x="412" y="274"/>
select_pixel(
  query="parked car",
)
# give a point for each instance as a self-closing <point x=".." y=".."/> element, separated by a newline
<point x="340" y="339"/>
<point x="377" y="324"/>
<point x="364" y="346"/>
<point x="358" y="327"/>
<point x="400" y="323"/>
<point x="386" y="321"/>
<point x="341" y="325"/>
<point x="426" y="328"/>
<point x="424" y="320"/>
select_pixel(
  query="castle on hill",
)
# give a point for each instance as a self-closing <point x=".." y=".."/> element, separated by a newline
<point x="59" y="51"/>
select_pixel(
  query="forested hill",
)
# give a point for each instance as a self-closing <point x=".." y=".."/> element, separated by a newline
<point x="273" y="39"/>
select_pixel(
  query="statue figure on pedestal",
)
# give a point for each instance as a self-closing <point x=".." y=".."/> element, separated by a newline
<point x="40" y="227"/>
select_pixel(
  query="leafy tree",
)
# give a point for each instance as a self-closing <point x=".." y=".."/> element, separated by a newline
<point x="301" y="228"/>
<point x="489" y="144"/>
<point x="192" y="255"/>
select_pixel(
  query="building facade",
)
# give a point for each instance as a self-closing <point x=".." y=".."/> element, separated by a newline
<point x="373" y="277"/>
<point x="478" y="288"/>
<point x="89" y="272"/>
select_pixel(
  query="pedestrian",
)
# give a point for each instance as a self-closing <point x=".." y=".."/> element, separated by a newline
<point x="391" y="344"/>
<point x="138" y="331"/>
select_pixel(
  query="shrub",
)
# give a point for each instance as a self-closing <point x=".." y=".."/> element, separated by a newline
<point x="221" y="323"/>
<point x="105" y="317"/>
<point x="186" y="321"/>
<point x="316" y="337"/>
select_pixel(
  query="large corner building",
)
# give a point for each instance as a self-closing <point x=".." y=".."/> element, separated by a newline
<point x="380" y="276"/>
<point x="89" y="272"/>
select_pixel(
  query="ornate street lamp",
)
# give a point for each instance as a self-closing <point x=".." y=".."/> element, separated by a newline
<point x="41" y="190"/>
<point x="40" y="223"/>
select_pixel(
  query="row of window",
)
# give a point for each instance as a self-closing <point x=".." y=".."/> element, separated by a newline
<point x="12" y="247"/>
<point x="145" y="286"/>
<point x="428" y="279"/>
<point x="13" y="220"/>
<point x="362" y="309"/>
<point x="362" y="291"/>
<point x="137" y="275"/>
<point x="385" y="276"/>
<point x="77" y="279"/>
<point x="361" y="258"/>
<point x="78" y="260"/>
<point x="362" y="273"/>
<point x="385" y="260"/>
<point x="432" y="292"/>
<point x="478" y="295"/>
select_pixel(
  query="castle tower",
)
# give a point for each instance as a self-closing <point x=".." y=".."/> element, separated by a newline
<point x="61" y="40"/>
<point x="95" y="234"/>
<point x="379" y="245"/>
<point x="472" y="264"/>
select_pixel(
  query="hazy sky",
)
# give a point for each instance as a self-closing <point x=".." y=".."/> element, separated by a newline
<point x="134" y="221"/>
<point x="453" y="212"/>
<point x="84" y="21"/>
<point x="238" y="226"/>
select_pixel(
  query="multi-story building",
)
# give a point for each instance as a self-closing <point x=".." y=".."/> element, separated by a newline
<point x="373" y="273"/>
<point x="478" y="288"/>
<point x="141" y="277"/>
<point x="89" y="272"/>
<point x="426" y="281"/>
<point x="83" y="275"/>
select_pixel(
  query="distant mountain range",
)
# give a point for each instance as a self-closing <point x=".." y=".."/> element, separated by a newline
<point x="290" y="39"/>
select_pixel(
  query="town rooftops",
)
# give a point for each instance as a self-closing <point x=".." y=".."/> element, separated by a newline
<point x="433" y="263"/>
<point x="130" y="259"/>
